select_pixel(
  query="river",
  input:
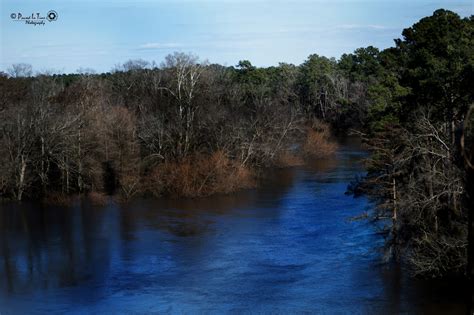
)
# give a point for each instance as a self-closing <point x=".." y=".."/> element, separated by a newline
<point x="286" y="247"/>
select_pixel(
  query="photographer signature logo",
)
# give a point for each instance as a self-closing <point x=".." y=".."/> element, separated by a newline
<point x="35" y="18"/>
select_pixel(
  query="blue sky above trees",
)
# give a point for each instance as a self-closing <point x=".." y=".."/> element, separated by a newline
<point x="98" y="34"/>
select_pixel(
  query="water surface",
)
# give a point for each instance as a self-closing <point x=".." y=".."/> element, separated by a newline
<point x="286" y="247"/>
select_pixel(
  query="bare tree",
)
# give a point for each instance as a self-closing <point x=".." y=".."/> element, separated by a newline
<point x="20" y="70"/>
<point x="420" y="191"/>
<point x="184" y="71"/>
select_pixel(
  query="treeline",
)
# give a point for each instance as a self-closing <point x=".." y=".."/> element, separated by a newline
<point x="420" y="93"/>
<point x="185" y="128"/>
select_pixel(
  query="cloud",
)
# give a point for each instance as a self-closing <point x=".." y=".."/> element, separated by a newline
<point x="155" y="46"/>
<point x="360" y="26"/>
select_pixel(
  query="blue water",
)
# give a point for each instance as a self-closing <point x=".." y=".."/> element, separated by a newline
<point x="286" y="247"/>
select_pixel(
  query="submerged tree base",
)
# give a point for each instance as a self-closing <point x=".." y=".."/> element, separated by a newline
<point x="317" y="143"/>
<point x="201" y="175"/>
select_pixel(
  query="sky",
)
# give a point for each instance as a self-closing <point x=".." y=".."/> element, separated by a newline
<point x="100" y="34"/>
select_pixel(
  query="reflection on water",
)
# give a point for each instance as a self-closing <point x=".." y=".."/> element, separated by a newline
<point x="285" y="247"/>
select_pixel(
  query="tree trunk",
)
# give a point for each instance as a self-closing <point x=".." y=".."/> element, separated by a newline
<point x="470" y="251"/>
<point x="43" y="172"/>
<point x="21" y="180"/>
<point x="394" y="196"/>
<point x="79" y="161"/>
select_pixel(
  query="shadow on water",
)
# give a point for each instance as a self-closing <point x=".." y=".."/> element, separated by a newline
<point x="284" y="247"/>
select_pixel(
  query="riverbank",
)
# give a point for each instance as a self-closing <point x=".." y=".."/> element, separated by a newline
<point x="204" y="175"/>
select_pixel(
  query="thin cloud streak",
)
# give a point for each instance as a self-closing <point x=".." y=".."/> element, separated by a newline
<point x="359" y="26"/>
<point x="155" y="46"/>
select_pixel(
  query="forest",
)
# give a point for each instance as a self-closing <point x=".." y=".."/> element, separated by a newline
<point x="186" y="127"/>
